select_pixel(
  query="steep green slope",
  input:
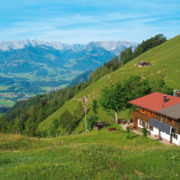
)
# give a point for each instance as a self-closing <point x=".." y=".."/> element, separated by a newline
<point x="92" y="155"/>
<point x="165" y="60"/>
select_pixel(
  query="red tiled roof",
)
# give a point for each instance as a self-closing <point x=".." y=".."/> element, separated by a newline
<point x="155" y="101"/>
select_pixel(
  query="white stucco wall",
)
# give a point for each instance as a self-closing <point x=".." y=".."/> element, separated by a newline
<point x="155" y="131"/>
<point x="146" y="124"/>
<point x="176" y="141"/>
<point x="165" y="136"/>
<point x="139" y="124"/>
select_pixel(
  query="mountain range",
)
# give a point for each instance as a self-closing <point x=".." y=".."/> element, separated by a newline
<point x="114" y="46"/>
<point x="31" y="67"/>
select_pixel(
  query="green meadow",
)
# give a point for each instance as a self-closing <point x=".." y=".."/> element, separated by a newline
<point x="7" y="102"/>
<point x="91" y="155"/>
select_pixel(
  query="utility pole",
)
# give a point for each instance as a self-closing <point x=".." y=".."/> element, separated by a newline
<point x="84" y="99"/>
<point x="85" y="121"/>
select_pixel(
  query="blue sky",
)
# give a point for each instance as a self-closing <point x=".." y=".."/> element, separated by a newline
<point x="82" y="21"/>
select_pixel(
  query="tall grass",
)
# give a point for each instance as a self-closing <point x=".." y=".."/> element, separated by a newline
<point x="92" y="155"/>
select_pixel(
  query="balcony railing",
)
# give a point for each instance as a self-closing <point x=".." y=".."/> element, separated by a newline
<point x="141" y="116"/>
<point x="165" y="120"/>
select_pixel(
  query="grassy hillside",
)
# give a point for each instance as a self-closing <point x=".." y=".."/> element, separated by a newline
<point x="165" y="60"/>
<point x="94" y="155"/>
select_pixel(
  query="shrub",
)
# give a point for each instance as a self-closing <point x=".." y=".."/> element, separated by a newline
<point x="144" y="130"/>
<point x="128" y="131"/>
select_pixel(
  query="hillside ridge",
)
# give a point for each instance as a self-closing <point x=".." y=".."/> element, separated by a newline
<point x="165" y="62"/>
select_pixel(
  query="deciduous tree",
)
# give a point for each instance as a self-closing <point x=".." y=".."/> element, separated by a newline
<point x="113" y="98"/>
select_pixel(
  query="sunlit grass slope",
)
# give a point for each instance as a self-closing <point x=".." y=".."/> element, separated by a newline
<point x="165" y="60"/>
<point x="92" y="155"/>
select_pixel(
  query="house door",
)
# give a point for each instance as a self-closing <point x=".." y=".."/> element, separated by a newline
<point x="171" y="138"/>
<point x="159" y="134"/>
<point x="135" y="122"/>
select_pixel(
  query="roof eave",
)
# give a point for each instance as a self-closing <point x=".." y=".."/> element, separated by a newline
<point x="157" y="112"/>
<point x="143" y="107"/>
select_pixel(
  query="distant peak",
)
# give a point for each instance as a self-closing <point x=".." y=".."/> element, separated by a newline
<point x="108" y="45"/>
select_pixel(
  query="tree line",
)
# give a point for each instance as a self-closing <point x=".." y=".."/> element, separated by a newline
<point x="25" y="116"/>
<point x="127" y="55"/>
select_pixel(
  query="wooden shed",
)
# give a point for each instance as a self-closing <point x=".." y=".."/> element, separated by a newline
<point x="99" y="126"/>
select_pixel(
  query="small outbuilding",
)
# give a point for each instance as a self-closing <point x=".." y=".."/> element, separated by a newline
<point x="99" y="126"/>
<point x="122" y="121"/>
<point x="143" y="64"/>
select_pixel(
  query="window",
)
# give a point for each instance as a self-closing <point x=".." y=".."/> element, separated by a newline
<point x="143" y="123"/>
<point x="147" y="125"/>
<point x="152" y="114"/>
<point x="173" y="122"/>
<point x="140" y="122"/>
<point x="151" y="128"/>
<point x="175" y="136"/>
<point x="173" y="130"/>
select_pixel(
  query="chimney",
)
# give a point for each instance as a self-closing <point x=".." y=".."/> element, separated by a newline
<point x="178" y="94"/>
<point x="165" y="98"/>
<point x="162" y="106"/>
<point x="175" y="93"/>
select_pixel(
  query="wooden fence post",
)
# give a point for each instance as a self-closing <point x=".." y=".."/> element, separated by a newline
<point x="26" y="138"/>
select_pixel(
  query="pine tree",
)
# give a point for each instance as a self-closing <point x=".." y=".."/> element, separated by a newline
<point x="17" y="125"/>
<point x="30" y="127"/>
<point x="53" y="128"/>
<point x="67" y="121"/>
<point x="2" y="124"/>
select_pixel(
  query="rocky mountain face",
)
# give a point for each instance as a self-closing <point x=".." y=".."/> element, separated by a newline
<point x="114" y="46"/>
<point x="9" y="45"/>
<point x="18" y="56"/>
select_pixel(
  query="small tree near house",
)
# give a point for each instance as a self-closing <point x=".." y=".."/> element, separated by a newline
<point x="144" y="130"/>
<point x="113" y="98"/>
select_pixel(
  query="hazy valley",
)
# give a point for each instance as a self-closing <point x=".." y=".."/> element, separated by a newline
<point x="35" y="67"/>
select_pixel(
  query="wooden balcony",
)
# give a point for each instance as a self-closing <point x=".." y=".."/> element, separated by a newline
<point x="166" y="120"/>
<point x="138" y="115"/>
